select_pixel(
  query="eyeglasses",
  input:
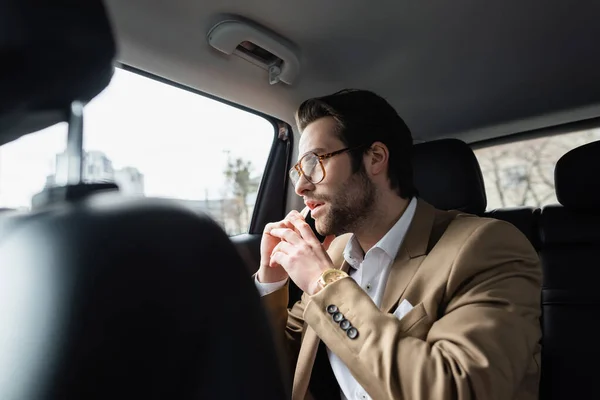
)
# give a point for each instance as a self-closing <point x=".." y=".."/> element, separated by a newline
<point x="311" y="166"/>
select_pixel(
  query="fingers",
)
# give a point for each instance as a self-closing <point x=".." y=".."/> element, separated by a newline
<point x="304" y="230"/>
<point x="278" y="225"/>
<point x="304" y="212"/>
<point x="288" y="235"/>
<point x="294" y="213"/>
<point x="295" y="221"/>
<point x="284" y="223"/>
<point x="278" y="259"/>
<point x="283" y="247"/>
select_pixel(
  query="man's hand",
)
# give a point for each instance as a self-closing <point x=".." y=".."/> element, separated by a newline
<point x="273" y="272"/>
<point x="300" y="253"/>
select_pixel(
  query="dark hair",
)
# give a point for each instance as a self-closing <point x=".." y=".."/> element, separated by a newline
<point x="364" y="118"/>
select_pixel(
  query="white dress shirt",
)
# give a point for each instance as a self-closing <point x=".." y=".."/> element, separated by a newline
<point x="370" y="271"/>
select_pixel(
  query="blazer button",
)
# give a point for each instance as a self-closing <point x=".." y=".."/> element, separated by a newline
<point x="338" y="316"/>
<point x="332" y="309"/>
<point x="352" y="333"/>
<point x="345" y="324"/>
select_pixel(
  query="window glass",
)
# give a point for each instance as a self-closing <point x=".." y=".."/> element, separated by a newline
<point x="522" y="173"/>
<point x="26" y="163"/>
<point x="152" y="139"/>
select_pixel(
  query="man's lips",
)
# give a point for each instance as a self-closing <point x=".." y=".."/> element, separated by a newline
<point x="313" y="204"/>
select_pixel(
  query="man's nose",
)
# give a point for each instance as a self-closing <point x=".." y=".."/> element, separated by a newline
<point x="303" y="185"/>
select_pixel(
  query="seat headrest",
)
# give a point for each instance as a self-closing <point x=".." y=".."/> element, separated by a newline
<point x="576" y="180"/>
<point x="448" y="176"/>
<point x="52" y="53"/>
<point x="113" y="295"/>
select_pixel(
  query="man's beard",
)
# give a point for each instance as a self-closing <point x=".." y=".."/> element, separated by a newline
<point x="349" y="209"/>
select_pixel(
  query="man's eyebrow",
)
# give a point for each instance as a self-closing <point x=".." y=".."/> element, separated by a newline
<point x="318" y="150"/>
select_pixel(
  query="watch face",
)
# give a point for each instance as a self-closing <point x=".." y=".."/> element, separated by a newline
<point x="333" y="276"/>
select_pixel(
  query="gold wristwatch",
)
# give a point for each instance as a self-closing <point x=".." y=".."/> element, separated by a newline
<point x="329" y="276"/>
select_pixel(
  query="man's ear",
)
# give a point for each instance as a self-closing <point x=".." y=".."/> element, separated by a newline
<point x="378" y="158"/>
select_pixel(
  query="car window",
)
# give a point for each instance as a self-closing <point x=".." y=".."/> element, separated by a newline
<point x="522" y="173"/>
<point x="152" y="139"/>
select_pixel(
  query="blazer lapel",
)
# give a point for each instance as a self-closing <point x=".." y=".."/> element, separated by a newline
<point x="336" y="252"/>
<point x="410" y="255"/>
<point x="306" y="360"/>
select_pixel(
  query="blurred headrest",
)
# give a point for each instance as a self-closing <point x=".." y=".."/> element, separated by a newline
<point x="448" y="176"/>
<point x="74" y="192"/>
<point x="109" y="295"/>
<point x="577" y="180"/>
<point x="52" y="53"/>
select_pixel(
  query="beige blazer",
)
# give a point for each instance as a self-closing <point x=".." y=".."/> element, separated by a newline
<point x="474" y="331"/>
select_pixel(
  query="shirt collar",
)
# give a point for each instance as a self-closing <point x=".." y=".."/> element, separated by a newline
<point x="389" y="243"/>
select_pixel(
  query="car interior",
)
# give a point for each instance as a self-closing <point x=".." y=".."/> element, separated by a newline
<point x="102" y="266"/>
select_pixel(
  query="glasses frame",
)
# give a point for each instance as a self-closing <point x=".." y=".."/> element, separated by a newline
<point x="298" y="169"/>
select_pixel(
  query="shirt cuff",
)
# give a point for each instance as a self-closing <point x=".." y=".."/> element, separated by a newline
<point x="268" y="288"/>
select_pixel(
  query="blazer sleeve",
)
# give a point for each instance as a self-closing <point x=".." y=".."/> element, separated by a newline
<point x="480" y="345"/>
<point x="287" y="324"/>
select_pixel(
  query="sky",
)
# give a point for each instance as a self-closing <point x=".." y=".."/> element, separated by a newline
<point x="175" y="138"/>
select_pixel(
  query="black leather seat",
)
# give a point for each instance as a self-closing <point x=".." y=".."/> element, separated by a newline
<point x="52" y="54"/>
<point x="141" y="299"/>
<point x="448" y="176"/>
<point x="527" y="219"/>
<point x="570" y="297"/>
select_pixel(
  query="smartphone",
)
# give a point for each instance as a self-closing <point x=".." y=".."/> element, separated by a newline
<point x="311" y="222"/>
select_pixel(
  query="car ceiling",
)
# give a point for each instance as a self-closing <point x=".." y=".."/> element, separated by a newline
<point x="469" y="68"/>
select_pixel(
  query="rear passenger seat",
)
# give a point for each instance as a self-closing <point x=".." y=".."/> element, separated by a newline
<point x="567" y="237"/>
<point x="570" y="297"/>
<point x="448" y="176"/>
